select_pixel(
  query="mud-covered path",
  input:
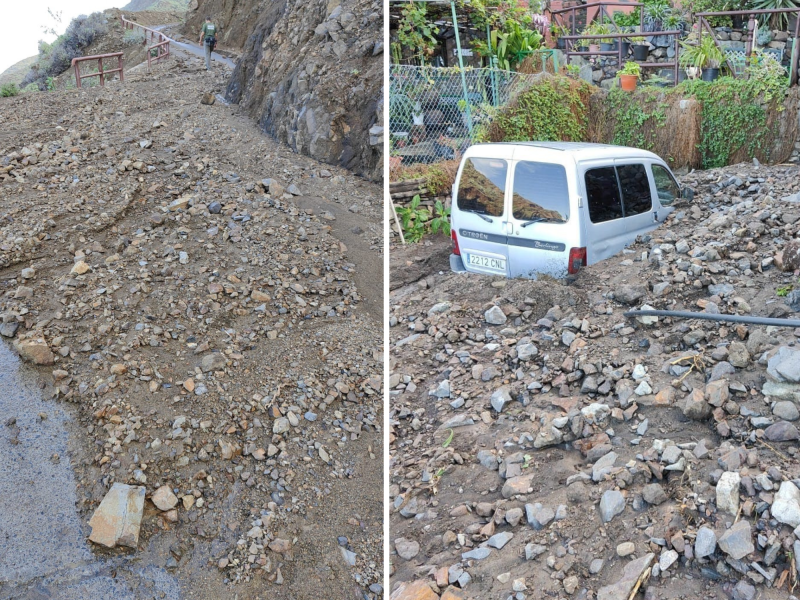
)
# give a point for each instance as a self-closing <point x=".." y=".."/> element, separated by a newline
<point x="320" y="487"/>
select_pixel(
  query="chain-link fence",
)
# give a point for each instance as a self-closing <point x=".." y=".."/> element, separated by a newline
<point x="434" y="114"/>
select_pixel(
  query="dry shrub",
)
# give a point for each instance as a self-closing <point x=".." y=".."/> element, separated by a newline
<point x="439" y="176"/>
<point x="650" y="119"/>
<point x="784" y="125"/>
<point x="534" y="64"/>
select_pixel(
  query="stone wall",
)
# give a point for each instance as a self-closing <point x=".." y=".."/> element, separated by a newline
<point x="310" y="73"/>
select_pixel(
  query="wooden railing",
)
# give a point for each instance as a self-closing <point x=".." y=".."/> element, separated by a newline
<point x="161" y="45"/>
<point x="101" y="73"/>
<point x="593" y="10"/>
<point x="794" y="75"/>
<point x="619" y="37"/>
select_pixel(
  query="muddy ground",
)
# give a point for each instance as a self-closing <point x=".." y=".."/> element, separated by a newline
<point x="508" y="396"/>
<point x="204" y="305"/>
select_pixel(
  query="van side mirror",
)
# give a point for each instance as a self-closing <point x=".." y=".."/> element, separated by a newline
<point x="687" y="193"/>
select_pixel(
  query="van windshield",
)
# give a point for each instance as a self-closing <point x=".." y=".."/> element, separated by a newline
<point x="482" y="186"/>
<point x="540" y="193"/>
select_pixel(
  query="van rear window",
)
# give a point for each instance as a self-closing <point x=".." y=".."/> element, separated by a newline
<point x="482" y="186"/>
<point x="540" y="192"/>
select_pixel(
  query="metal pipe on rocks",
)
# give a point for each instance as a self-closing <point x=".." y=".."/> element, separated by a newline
<point x="682" y="314"/>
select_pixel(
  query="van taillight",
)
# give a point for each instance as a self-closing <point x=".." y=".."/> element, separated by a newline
<point x="456" y="249"/>
<point x="577" y="259"/>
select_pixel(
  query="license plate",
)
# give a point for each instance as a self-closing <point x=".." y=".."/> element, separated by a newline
<point x="487" y="262"/>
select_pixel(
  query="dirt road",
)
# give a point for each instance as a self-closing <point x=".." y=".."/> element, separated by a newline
<point x="208" y="309"/>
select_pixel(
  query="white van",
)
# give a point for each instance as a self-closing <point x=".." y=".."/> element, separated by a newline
<point x="527" y="208"/>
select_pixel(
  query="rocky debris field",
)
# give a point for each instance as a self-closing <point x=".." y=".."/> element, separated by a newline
<point x="213" y="340"/>
<point x="543" y="445"/>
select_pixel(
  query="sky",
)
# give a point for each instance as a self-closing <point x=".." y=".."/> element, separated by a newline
<point x="23" y="21"/>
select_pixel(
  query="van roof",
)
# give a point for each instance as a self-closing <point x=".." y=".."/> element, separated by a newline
<point x="584" y="150"/>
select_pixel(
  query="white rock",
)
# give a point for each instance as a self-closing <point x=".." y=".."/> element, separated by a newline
<point x="786" y="506"/>
<point x="728" y="492"/>
<point x="118" y="518"/>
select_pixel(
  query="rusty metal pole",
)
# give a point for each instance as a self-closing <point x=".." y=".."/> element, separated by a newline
<point x="77" y="73"/>
<point x="119" y="66"/>
<point x="677" y="70"/>
<point x="100" y="70"/>
<point x="793" y="67"/>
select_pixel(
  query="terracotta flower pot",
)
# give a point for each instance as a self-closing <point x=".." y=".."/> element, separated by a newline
<point x="594" y="47"/>
<point x="628" y="82"/>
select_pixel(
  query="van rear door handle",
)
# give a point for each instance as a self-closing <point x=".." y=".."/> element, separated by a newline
<point x="508" y="226"/>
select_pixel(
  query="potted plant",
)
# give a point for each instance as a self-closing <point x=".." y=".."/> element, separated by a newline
<point x="640" y="48"/>
<point x="606" y="44"/>
<point x="629" y="76"/>
<point x="599" y="44"/>
<point x="594" y="46"/>
<point x="625" y="43"/>
<point x="558" y="32"/>
<point x="705" y="55"/>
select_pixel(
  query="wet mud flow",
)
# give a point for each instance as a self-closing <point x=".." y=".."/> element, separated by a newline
<point x="43" y="549"/>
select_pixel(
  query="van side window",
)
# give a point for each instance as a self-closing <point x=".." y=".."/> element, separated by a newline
<point x="540" y="192"/>
<point x="602" y="194"/>
<point x="482" y="186"/>
<point x="668" y="189"/>
<point x="636" y="192"/>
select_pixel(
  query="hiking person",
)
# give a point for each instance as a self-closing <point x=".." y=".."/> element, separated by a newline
<point x="208" y="38"/>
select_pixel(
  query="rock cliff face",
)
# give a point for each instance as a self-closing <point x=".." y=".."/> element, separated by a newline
<point x="310" y="73"/>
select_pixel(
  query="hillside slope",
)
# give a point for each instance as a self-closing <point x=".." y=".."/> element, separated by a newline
<point x="310" y="73"/>
<point x="16" y="72"/>
<point x="212" y="243"/>
<point x="177" y="6"/>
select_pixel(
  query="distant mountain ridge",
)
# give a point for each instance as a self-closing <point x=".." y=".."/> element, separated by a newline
<point x="159" y="5"/>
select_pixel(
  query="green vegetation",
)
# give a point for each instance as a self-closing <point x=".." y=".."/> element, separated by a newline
<point x="597" y="28"/>
<point x="418" y="221"/>
<point x="56" y="58"/>
<point x="623" y="20"/>
<point x="779" y="21"/>
<point x="630" y="68"/>
<point x="555" y="109"/>
<point x="133" y="37"/>
<point x="733" y="112"/>
<point x="635" y="115"/>
<point x="8" y="90"/>
<point x="734" y="115"/>
<point x="416" y="32"/>
<point x="512" y="46"/>
<point x="702" y="54"/>
<point x="176" y="6"/>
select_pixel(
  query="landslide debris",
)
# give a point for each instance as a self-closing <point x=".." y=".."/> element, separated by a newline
<point x="310" y="73"/>
<point x="208" y="334"/>
<point x="544" y="445"/>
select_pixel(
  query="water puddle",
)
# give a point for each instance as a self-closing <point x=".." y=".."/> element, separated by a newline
<point x="43" y="549"/>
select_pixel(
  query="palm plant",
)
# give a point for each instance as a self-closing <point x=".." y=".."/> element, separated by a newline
<point x="780" y="20"/>
<point x="704" y="54"/>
